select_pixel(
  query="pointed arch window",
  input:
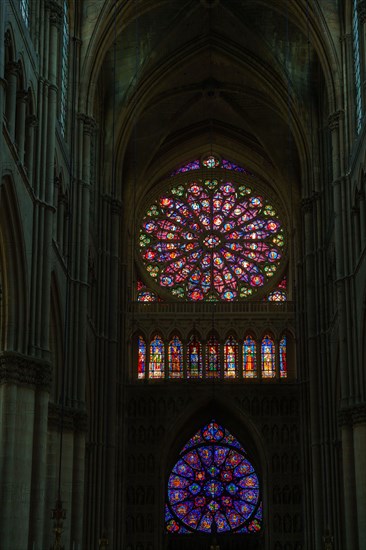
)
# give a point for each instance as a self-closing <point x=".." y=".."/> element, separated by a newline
<point x="283" y="357"/>
<point x="194" y="358"/>
<point x="175" y="358"/>
<point x="249" y="358"/>
<point x="213" y="486"/>
<point x="268" y="357"/>
<point x="24" y="10"/>
<point x="64" y="76"/>
<point x="357" y="66"/>
<point x="141" y="359"/>
<point x="213" y="357"/>
<point x="157" y="358"/>
<point x="231" y="358"/>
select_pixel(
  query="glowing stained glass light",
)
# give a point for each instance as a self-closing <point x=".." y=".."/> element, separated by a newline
<point x="268" y="357"/>
<point x="231" y="358"/>
<point x="211" y="240"/>
<point x="213" y="486"/>
<point x="194" y="358"/>
<point x="157" y="358"/>
<point x="141" y="360"/>
<point x="175" y="358"/>
<point x="213" y="358"/>
<point x="283" y="357"/>
<point x="249" y="358"/>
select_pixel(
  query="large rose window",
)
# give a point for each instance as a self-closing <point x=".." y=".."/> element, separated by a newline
<point x="213" y="487"/>
<point x="211" y="239"/>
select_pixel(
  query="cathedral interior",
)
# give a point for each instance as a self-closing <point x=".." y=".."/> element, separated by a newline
<point x="182" y="274"/>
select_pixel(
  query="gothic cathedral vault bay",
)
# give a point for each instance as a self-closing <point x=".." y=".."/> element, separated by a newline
<point x="182" y="275"/>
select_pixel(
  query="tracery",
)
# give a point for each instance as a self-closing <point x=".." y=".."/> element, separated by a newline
<point x="211" y="238"/>
<point x="213" y="486"/>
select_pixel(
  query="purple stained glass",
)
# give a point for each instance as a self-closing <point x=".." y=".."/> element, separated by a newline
<point x="211" y="239"/>
<point x="213" y="486"/>
<point x="283" y="357"/>
<point x="156" y="364"/>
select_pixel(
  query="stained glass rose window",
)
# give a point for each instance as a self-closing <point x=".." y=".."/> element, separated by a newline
<point x="213" y="486"/>
<point x="211" y="239"/>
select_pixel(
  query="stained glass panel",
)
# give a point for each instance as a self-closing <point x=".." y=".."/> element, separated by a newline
<point x="211" y="239"/>
<point x="141" y="360"/>
<point x="194" y="358"/>
<point x="212" y="358"/>
<point x="231" y="358"/>
<point x="157" y="356"/>
<point x="213" y="486"/>
<point x="144" y="294"/>
<point x="249" y="358"/>
<point x="283" y="357"/>
<point x="268" y="358"/>
<point x="175" y="358"/>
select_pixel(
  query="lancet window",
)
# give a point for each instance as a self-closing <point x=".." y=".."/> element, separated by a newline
<point x="239" y="359"/>
<point x="24" y="10"/>
<point x="64" y="77"/>
<point x="157" y="358"/>
<point x="175" y="358"/>
<point x="357" y="66"/>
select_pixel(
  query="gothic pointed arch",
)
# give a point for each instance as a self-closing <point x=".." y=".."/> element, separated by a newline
<point x="14" y="271"/>
<point x="213" y="486"/>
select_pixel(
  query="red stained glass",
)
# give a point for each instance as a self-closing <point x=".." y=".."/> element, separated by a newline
<point x="141" y="360"/>
<point x="268" y="358"/>
<point x="249" y="358"/>
<point x="213" y="358"/>
<point x="175" y="358"/>
<point x="157" y="358"/>
<point x="283" y="357"/>
<point x="231" y="358"/>
<point x="211" y="240"/>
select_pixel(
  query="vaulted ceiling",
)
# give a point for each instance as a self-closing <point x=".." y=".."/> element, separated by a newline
<point x="173" y="79"/>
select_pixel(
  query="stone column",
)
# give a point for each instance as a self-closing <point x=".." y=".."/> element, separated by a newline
<point x="359" y="438"/>
<point x="31" y="123"/>
<point x="22" y="99"/>
<point x="12" y="72"/>
<point x="349" y="480"/>
<point x="361" y="12"/>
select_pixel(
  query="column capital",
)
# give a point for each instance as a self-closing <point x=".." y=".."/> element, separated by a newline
<point x="23" y="370"/>
<point x="334" y="119"/>
<point x="361" y="10"/>
<point x="89" y="123"/>
<point x="12" y="67"/>
<point x="307" y="204"/>
<point x="56" y="12"/>
<point x="22" y="95"/>
<point x="32" y="121"/>
<point x="359" y="414"/>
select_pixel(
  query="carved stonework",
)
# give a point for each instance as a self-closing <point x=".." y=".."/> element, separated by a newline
<point x="361" y="10"/>
<point x="55" y="12"/>
<point x="359" y="414"/>
<point x="75" y="420"/>
<point x="32" y="121"/>
<point x="24" y="371"/>
<point x="333" y="120"/>
<point x="13" y="68"/>
<point x="89" y="124"/>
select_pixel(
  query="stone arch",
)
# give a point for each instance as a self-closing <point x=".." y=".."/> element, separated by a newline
<point x="14" y="302"/>
<point x="229" y="416"/>
<point x="56" y="340"/>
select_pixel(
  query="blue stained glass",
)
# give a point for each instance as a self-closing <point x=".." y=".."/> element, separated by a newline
<point x="220" y="492"/>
